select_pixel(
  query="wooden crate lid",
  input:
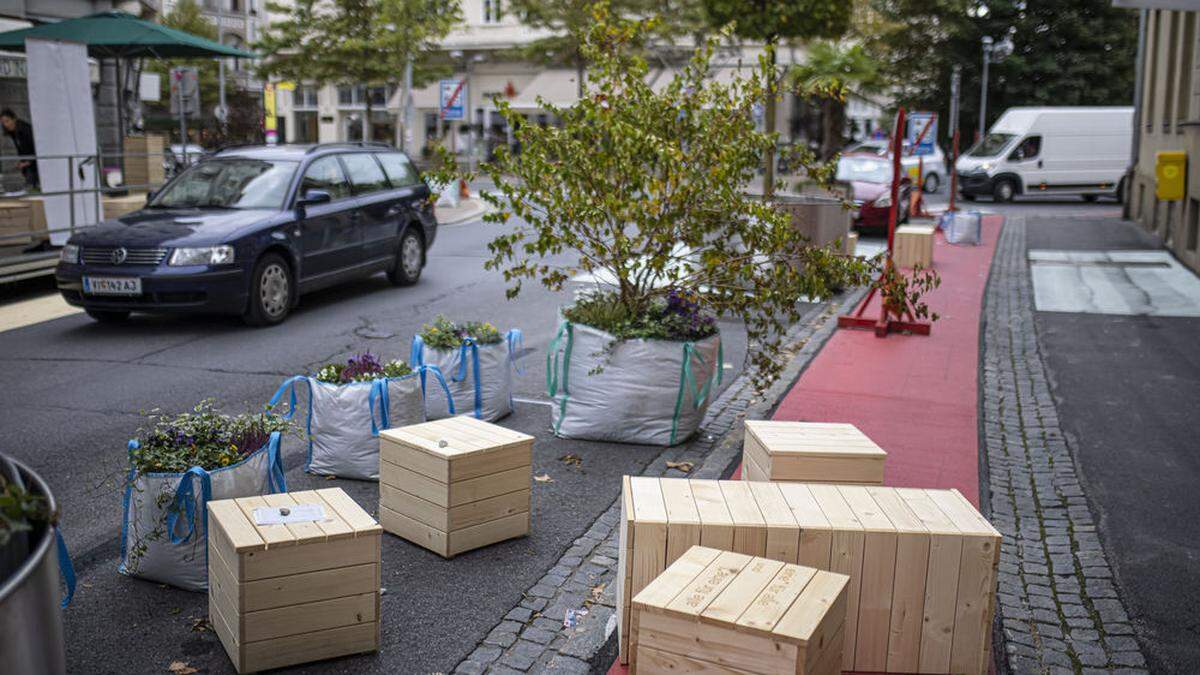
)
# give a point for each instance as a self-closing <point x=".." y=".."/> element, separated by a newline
<point x="916" y="229"/>
<point x="813" y="439"/>
<point x="765" y="597"/>
<point x="344" y="519"/>
<point x="455" y="437"/>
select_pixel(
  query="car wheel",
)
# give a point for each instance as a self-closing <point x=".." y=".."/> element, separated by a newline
<point x="932" y="183"/>
<point x="107" y="316"/>
<point x="271" y="292"/>
<point x="1004" y="190"/>
<point x="410" y="256"/>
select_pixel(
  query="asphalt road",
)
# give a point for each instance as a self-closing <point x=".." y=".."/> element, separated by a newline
<point x="1127" y="390"/>
<point x="72" y="395"/>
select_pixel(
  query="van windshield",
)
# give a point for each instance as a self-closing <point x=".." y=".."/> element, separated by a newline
<point x="230" y="184"/>
<point x="993" y="144"/>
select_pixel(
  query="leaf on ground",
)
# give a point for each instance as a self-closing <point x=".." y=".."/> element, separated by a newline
<point x="597" y="591"/>
<point x="330" y="477"/>
<point x="201" y="625"/>
<point x="685" y="467"/>
<point x="181" y="668"/>
<point x="544" y="478"/>
<point x="572" y="459"/>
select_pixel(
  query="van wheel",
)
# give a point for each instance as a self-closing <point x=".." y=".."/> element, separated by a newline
<point x="1004" y="190"/>
<point x="410" y="256"/>
<point x="932" y="183"/>
<point x="271" y="292"/>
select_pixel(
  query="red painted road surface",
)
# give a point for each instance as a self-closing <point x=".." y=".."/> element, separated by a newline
<point x="916" y="396"/>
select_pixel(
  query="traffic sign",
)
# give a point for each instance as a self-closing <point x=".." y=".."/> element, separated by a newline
<point x="186" y="81"/>
<point x="920" y="138"/>
<point x="452" y="99"/>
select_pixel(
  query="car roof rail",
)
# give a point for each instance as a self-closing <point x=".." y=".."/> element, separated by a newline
<point x="351" y="144"/>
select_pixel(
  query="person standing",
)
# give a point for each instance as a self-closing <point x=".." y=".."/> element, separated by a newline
<point x="20" y="133"/>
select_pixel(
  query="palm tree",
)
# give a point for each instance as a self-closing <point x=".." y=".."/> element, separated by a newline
<point x="832" y="70"/>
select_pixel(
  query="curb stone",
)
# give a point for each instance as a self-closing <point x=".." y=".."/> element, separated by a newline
<point x="1057" y="608"/>
<point x="584" y="577"/>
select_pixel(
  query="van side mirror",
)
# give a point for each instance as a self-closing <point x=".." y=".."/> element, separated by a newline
<point x="315" y="197"/>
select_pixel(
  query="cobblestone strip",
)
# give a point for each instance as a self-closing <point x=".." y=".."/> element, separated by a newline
<point x="1058" y="609"/>
<point x="537" y="635"/>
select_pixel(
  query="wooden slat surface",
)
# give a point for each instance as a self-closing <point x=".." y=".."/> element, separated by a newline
<point x="683" y="519"/>
<point x="240" y="530"/>
<point x="783" y="534"/>
<point x="749" y="527"/>
<point x="717" y="531"/>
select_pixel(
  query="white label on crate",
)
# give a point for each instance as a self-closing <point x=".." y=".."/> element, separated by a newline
<point x="279" y="515"/>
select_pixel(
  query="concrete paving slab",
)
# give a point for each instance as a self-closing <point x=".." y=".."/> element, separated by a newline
<point x="1148" y="283"/>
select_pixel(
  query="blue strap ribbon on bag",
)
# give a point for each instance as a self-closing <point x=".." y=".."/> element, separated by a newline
<point x="516" y="342"/>
<point x="65" y="568"/>
<point x="275" y="475"/>
<point x="552" y="368"/>
<point x="437" y="372"/>
<point x="289" y="385"/>
<point x="688" y="384"/>
<point x="378" y="398"/>
<point x="470" y="346"/>
<point x="185" y="501"/>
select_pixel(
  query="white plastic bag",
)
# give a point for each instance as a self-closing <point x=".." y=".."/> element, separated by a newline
<point x="344" y="420"/>
<point x="164" y="531"/>
<point x="962" y="227"/>
<point x="479" y="376"/>
<point x="652" y="392"/>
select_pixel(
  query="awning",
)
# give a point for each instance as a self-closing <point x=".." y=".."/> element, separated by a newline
<point x="121" y="35"/>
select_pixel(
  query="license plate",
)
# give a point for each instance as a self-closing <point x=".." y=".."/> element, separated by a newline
<point x="112" y="285"/>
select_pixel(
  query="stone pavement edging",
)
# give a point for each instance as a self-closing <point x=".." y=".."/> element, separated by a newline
<point x="1057" y="609"/>
<point x="532" y="637"/>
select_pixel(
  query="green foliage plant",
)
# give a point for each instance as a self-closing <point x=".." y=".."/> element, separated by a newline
<point x="443" y="334"/>
<point x="647" y="189"/>
<point x="363" y="367"/>
<point x="20" y="511"/>
<point x="203" y="437"/>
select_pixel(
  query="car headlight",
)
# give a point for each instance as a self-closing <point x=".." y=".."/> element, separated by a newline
<point x="203" y="255"/>
<point x="983" y="168"/>
<point x="883" y="201"/>
<point x="69" y="254"/>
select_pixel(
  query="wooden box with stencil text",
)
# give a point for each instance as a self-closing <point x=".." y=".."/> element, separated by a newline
<point x="290" y="593"/>
<point x="922" y="563"/>
<point x="455" y="484"/>
<point x="720" y="611"/>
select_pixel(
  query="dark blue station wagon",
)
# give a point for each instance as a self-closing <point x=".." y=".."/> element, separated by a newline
<point x="250" y="229"/>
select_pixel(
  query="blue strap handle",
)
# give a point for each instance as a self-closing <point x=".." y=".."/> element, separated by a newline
<point x="687" y="382"/>
<point x="516" y="342"/>
<point x="378" y="398"/>
<point x="275" y="476"/>
<point x="289" y="386"/>
<point x="65" y="568"/>
<point x="437" y="372"/>
<point x="478" y="379"/>
<point x="552" y="369"/>
<point x="416" y="355"/>
<point x="185" y="501"/>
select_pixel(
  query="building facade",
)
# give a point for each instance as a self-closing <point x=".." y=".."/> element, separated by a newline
<point x="1167" y="119"/>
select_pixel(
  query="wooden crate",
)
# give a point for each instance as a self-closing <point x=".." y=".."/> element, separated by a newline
<point x="280" y="595"/>
<point x="720" y="611"/>
<point x="115" y="207"/>
<point x="810" y="452"/>
<point x="144" y="160"/>
<point x="16" y="223"/>
<point x="455" y="484"/>
<point x="913" y="244"/>
<point x="921" y="563"/>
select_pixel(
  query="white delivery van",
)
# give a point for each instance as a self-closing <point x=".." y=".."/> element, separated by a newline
<point x="1050" y="151"/>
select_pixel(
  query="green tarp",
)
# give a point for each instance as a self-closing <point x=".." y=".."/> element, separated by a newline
<point x="121" y="35"/>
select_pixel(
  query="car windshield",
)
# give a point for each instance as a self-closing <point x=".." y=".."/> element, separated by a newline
<point x="229" y="184"/>
<point x="991" y="145"/>
<point x="864" y="169"/>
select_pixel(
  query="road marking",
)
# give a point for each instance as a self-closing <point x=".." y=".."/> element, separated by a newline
<point x="33" y="311"/>
<point x="1145" y="283"/>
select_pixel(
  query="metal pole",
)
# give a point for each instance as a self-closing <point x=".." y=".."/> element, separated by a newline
<point x="1136" y="147"/>
<point x="182" y="118"/>
<point x="221" y="62"/>
<point x="955" y="84"/>
<point x="408" y="107"/>
<point x="470" y="109"/>
<point x="894" y="211"/>
<point x="987" y="56"/>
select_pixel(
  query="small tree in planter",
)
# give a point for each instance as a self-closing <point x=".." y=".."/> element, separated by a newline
<point x="477" y="360"/>
<point x="646" y="188"/>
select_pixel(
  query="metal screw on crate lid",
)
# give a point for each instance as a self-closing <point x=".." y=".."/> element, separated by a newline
<point x="443" y="443"/>
<point x="283" y="511"/>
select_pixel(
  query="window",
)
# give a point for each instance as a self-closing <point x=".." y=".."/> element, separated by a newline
<point x="1193" y="228"/>
<point x="399" y="170"/>
<point x="493" y="11"/>
<point x="1185" y="69"/>
<point x="229" y="184"/>
<point x="991" y="145"/>
<point x="326" y="174"/>
<point x="365" y="174"/>
<point x="304" y="97"/>
<point x="1029" y="148"/>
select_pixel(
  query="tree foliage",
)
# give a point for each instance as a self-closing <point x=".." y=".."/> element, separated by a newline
<point x="646" y="188"/>
<point x="832" y="70"/>
<point x="1065" y="52"/>
<point x="187" y="16"/>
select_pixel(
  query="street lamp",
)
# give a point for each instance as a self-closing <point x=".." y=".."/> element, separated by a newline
<point x="993" y="52"/>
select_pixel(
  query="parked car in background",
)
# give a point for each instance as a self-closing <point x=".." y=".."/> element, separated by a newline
<point x="1051" y="151"/>
<point x="251" y="229"/>
<point x="932" y="169"/>
<point x="175" y="159"/>
<point x="869" y="178"/>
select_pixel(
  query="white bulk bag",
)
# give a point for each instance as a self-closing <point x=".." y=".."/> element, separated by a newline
<point x="165" y="514"/>
<point x="344" y="420"/>
<point x="651" y="392"/>
<point x="479" y="376"/>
